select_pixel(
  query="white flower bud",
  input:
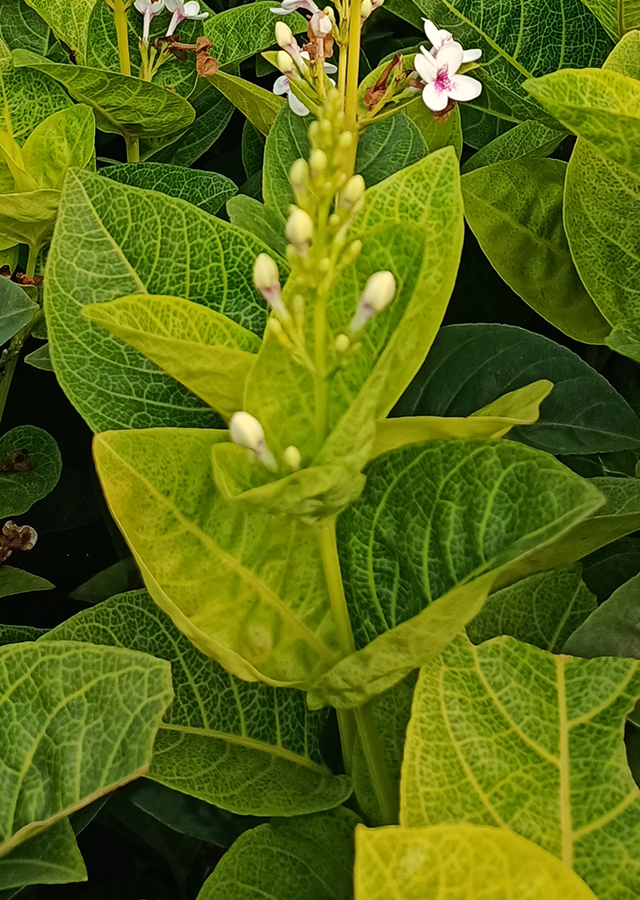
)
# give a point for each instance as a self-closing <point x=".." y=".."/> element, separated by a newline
<point x="299" y="175"/>
<point x="299" y="229"/>
<point x="342" y="343"/>
<point x="284" y="35"/>
<point x="320" y="25"/>
<point x="345" y="140"/>
<point x="285" y="63"/>
<point x="267" y="281"/>
<point x="366" y="9"/>
<point x="293" y="457"/>
<point x="378" y="293"/>
<point x="247" y="432"/>
<point x="318" y="162"/>
<point x="353" y="191"/>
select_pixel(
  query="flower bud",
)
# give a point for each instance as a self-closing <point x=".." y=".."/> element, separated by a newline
<point x="366" y="9"/>
<point x="345" y="140"/>
<point x="378" y="293"/>
<point x="342" y="343"/>
<point x="352" y="252"/>
<point x="328" y="11"/>
<point x="320" y="25"/>
<point x="353" y="191"/>
<point x="267" y="281"/>
<point x="284" y="35"/>
<point x="285" y="63"/>
<point x="299" y="175"/>
<point x="299" y="229"/>
<point x="293" y="457"/>
<point x="318" y="162"/>
<point x="247" y="432"/>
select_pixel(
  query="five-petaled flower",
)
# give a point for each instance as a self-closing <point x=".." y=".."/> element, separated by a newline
<point x="439" y="37"/>
<point x="282" y="86"/>
<point x="439" y="72"/>
<point x="149" y="9"/>
<point x="182" y="11"/>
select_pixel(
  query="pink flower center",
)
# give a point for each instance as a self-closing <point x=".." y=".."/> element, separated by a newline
<point x="443" y="82"/>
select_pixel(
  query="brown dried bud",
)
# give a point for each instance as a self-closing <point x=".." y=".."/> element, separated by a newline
<point x="16" y="537"/>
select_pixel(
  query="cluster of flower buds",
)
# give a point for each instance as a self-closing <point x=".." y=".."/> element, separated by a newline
<point x="180" y="10"/>
<point x="302" y="81"/>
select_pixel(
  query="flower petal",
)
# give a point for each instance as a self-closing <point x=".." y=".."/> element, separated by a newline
<point x="173" y="5"/>
<point x="449" y="55"/>
<point x="425" y="66"/>
<point x="464" y="88"/>
<point x="281" y="85"/>
<point x="297" y="106"/>
<point x="280" y="10"/>
<point x="330" y="69"/>
<point x="435" y="100"/>
<point x="471" y="55"/>
<point x="432" y="32"/>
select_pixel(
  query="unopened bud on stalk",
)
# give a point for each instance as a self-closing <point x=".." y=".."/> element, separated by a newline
<point x="299" y="175"/>
<point x="247" y="432"/>
<point x="342" y="343"/>
<point x="285" y="63"/>
<point x="366" y="9"/>
<point x="351" y="253"/>
<point x="267" y="280"/>
<point x="284" y="35"/>
<point x="293" y="457"/>
<point x="320" y="25"/>
<point x="318" y="162"/>
<point x="299" y="229"/>
<point x="328" y="11"/>
<point x="345" y="140"/>
<point x="353" y="191"/>
<point x="378" y="293"/>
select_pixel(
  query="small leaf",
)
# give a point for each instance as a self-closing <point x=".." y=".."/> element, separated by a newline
<point x="40" y="358"/>
<point x="19" y="490"/>
<point x="16" y="634"/>
<point x="64" y="139"/>
<point x="69" y="21"/>
<point x="259" y="105"/>
<point x="617" y="16"/>
<point x="529" y="139"/>
<point x="613" y="629"/>
<point x="51" y="857"/>
<point x="458" y="862"/>
<point x="213" y="112"/>
<point x="510" y="731"/>
<point x="17" y="309"/>
<point x="287" y="859"/>
<point x="208" y="191"/>
<point x="101" y="706"/>
<point x="260" y="220"/>
<point x="16" y="581"/>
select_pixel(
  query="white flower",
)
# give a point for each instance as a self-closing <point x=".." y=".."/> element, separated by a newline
<point x="438" y="71"/>
<point x="439" y="37"/>
<point x="182" y="11"/>
<point x="289" y="6"/>
<point x="282" y="86"/>
<point x="247" y="432"/>
<point x="149" y="9"/>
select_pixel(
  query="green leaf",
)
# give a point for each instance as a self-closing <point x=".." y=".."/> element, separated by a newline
<point x="310" y="857"/>
<point x="16" y="581"/>
<point x="51" y="857"/>
<point x="541" y="771"/>
<point x="436" y="134"/>
<point x="458" y="862"/>
<point x="122" y="104"/>
<point x="203" y="349"/>
<point x="64" y="139"/>
<point x="240" y="32"/>
<point x="625" y="339"/>
<point x="213" y="112"/>
<point x="521" y="407"/>
<point x="245" y="747"/>
<point x="113" y="580"/>
<point x="469" y="364"/>
<point x="21" y="26"/>
<point x="599" y="105"/>
<point x="543" y="610"/>
<point x="207" y="190"/>
<point x="607" y="569"/>
<point x="252" y="149"/>
<point x="515" y="211"/>
<point x="19" y="490"/>
<point x="435" y="529"/>
<point x="82" y="721"/>
<point x="258" y="219"/>
<point x="269" y="617"/>
<point x="529" y="139"/>
<point x="519" y="41"/>
<point x="29" y="217"/>
<point x="40" y="358"/>
<point x="602" y="212"/>
<point x="613" y="629"/>
<point x="69" y="21"/>
<point x="15" y="634"/>
<point x="17" y="309"/>
<point x="258" y="105"/>
<point x="617" y="16"/>
<point x="209" y="262"/>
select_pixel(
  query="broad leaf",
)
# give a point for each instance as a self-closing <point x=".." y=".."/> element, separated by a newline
<point x="209" y="262"/>
<point x="436" y="134"/>
<point x="525" y="740"/>
<point x="245" y="747"/>
<point x="517" y="43"/>
<point x="16" y="634"/>
<point x="263" y="221"/>
<point x="470" y="364"/>
<point x="122" y="104"/>
<point x="268" y="618"/>
<point x="202" y="349"/>
<point x="213" y="112"/>
<point x="287" y="859"/>
<point x="17" y="309"/>
<point x="530" y="139"/>
<point x="435" y="529"/>
<point x="617" y="16"/>
<point x="51" y="857"/>
<point x="260" y="106"/>
<point x="515" y="211"/>
<point x="607" y="569"/>
<point x="602" y="212"/>
<point x="458" y="862"/>
<point x="613" y="629"/>
<point x="21" y="26"/>
<point x="543" y="610"/>
<point x="16" y="581"/>
<point x="27" y="97"/>
<point x="207" y="190"/>
<point x="242" y="31"/>
<point x="36" y="475"/>
<point x="69" y="21"/>
<point x="64" y="753"/>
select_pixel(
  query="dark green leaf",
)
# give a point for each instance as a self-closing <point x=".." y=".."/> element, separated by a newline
<point x="51" y="857"/>
<point x="116" y="579"/>
<point x="605" y="570"/>
<point x="19" y="490"/>
<point x="17" y="309"/>
<point x="16" y="581"/>
<point x="22" y="27"/>
<point x="613" y="629"/>
<point x="207" y="190"/>
<point x="213" y="112"/>
<point x="16" y="634"/>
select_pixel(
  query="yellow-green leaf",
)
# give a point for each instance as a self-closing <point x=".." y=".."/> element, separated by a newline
<point x="259" y="105"/>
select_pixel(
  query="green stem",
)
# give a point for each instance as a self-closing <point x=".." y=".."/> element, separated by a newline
<point x="32" y="259"/>
<point x="122" y="32"/>
<point x="133" y="149"/>
<point x="353" y="65"/>
<point x="348" y="732"/>
<point x="342" y="72"/>
<point x="331" y="563"/>
<point x="385" y="792"/>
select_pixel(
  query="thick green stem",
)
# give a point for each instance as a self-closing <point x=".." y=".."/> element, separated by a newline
<point x="342" y="71"/>
<point x="133" y="149"/>
<point x="32" y="259"/>
<point x="353" y="65"/>
<point x="122" y="33"/>
<point x="385" y="792"/>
